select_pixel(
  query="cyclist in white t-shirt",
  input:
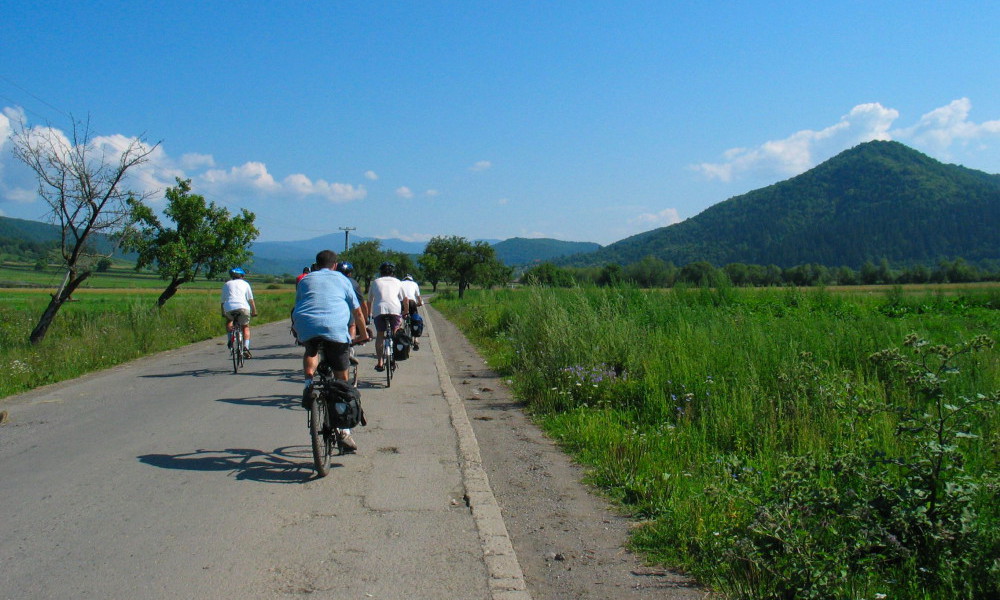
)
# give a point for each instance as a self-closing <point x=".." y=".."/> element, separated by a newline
<point x="238" y="306"/>
<point x="386" y="305"/>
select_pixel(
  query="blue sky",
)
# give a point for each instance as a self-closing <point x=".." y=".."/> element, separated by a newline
<point x="582" y="121"/>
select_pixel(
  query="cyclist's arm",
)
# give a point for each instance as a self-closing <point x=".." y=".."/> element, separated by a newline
<point x="362" y="332"/>
<point x="253" y="308"/>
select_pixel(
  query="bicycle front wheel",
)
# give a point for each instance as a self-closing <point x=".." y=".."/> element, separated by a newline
<point x="388" y="362"/>
<point x="322" y="436"/>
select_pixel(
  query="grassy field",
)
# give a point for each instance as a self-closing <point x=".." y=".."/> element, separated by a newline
<point x="775" y="443"/>
<point x="105" y="327"/>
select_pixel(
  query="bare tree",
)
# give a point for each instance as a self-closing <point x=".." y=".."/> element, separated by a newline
<point x="83" y="184"/>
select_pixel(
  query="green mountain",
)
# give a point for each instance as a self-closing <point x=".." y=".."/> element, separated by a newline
<point x="877" y="200"/>
<point x="524" y="251"/>
<point x="30" y="235"/>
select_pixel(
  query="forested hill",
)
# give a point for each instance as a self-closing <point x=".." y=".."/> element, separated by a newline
<point x="877" y="200"/>
<point x="523" y="251"/>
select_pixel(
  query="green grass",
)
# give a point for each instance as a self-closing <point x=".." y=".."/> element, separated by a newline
<point x="756" y="439"/>
<point x="102" y="328"/>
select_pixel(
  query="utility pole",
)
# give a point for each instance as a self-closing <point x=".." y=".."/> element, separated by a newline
<point x="347" y="236"/>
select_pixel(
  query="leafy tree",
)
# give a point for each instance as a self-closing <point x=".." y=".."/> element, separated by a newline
<point x="651" y="272"/>
<point x="366" y="257"/>
<point x="698" y="273"/>
<point x="206" y="239"/>
<point x="432" y="268"/>
<point x="104" y="265"/>
<point x="611" y="274"/>
<point x="465" y="262"/>
<point x="84" y="185"/>
<point x="547" y="274"/>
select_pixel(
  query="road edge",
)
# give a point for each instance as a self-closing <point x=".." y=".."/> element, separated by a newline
<point x="506" y="578"/>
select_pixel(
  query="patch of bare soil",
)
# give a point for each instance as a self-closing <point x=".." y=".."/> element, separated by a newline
<point x="569" y="541"/>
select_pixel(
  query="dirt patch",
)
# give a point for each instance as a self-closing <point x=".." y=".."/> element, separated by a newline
<point x="569" y="541"/>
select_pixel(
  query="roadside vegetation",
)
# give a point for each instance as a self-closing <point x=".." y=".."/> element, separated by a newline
<point x="102" y="328"/>
<point x="774" y="443"/>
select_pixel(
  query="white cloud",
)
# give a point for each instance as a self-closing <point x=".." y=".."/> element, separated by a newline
<point x="234" y="185"/>
<point x="404" y="192"/>
<point x="408" y="237"/>
<point x="667" y="216"/>
<point x="805" y="149"/>
<point x="432" y="193"/>
<point x="250" y="175"/>
<point x="482" y="165"/>
<point x="371" y="176"/>
<point x="503" y="201"/>
<point x="942" y="127"/>
<point x="334" y="192"/>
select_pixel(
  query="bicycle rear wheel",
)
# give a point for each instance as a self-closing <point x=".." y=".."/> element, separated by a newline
<point x="322" y="436"/>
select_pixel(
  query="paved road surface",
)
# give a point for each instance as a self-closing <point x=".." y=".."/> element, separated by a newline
<point x="171" y="477"/>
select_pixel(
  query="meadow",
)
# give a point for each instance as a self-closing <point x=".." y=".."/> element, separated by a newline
<point x="780" y="443"/>
<point x="101" y="328"/>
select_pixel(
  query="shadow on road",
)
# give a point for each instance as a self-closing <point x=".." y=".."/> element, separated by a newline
<point x="283" y="401"/>
<point x="284" y="374"/>
<point x="290" y="464"/>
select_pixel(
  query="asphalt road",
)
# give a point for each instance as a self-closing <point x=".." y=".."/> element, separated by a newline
<point x="172" y="477"/>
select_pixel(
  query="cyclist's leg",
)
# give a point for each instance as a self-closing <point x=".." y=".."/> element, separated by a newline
<point x="310" y="359"/>
<point x="338" y="355"/>
<point x="380" y="332"/>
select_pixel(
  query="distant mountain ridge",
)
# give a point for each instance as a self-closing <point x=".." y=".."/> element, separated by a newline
<point x="876" y="200"/>
<point x="524" y="251"/>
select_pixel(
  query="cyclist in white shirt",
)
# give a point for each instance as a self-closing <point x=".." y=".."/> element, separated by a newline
<point x="238" y="306"/>
<point x="412" y="292"/>
<point x="386" y="305"/>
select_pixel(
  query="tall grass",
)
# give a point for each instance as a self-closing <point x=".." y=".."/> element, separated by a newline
<point x="763" y="447"/>
<point x="102" y="329"/>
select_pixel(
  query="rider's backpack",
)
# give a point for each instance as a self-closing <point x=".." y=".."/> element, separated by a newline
<point x="401" y="342"/>
<point x="416" y="325"/>
<point x="344" y="401"/>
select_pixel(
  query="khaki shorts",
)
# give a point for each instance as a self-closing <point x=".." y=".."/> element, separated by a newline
<point x="240" y="316"/>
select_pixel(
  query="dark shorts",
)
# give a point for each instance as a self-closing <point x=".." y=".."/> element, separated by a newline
<point x="380" y="321"/>
<point x="413" y="307"/>
<point x="335" y="354"/>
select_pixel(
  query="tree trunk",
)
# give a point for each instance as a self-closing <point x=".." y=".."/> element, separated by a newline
<point x="169" y="292"/>
<point x="462" y="284"/>
<point x="70" y="283"/>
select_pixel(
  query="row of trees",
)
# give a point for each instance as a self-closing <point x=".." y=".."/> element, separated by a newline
<point x="653" y="272"/>
<point x="450" y="259"/>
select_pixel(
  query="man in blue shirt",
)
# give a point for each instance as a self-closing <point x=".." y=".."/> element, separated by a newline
<point x="324" y="303"/>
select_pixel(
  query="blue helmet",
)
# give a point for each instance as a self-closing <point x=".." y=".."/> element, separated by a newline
<point x="346" y="268"/>
<point x="237" y="271"/>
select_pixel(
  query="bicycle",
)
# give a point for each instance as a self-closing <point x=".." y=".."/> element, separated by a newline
<point x="236" y="346"/>
<point x="388" y="353"/>
<point x="323" y="430"/>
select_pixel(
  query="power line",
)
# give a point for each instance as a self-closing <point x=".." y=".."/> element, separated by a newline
<point x="35" y="96"/>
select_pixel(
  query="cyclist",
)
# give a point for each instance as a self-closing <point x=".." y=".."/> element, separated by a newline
<point x="348" y="270"/>
<point x="238" y="306"/>
<point x="325" y="303"/>
<point x="387" y="307"/>
<point x="413" y="300"/>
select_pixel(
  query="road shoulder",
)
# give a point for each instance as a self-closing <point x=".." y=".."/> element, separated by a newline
<point x="568" y="540"/>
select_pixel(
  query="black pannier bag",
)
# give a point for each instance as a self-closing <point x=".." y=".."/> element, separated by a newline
<point x="344" y="401"/>
<point x="401" y="342"/>
<point x="416" y="325"/>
